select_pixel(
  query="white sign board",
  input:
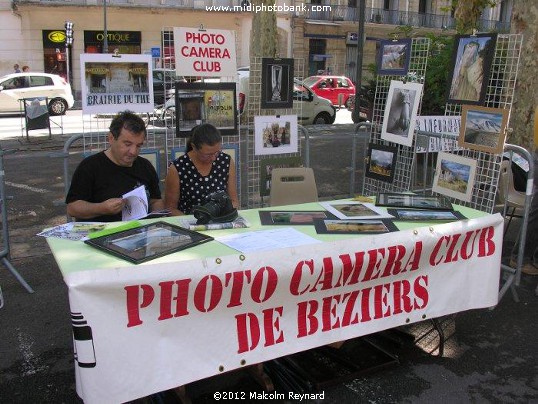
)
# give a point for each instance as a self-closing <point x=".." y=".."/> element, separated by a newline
<point x="114" y="83"/>
<point x="205" y="53"/>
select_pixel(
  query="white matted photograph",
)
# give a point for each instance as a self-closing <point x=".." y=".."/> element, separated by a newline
<point x="454" y="176"/>
<point x="401" y="111"/>
<point x="355" y="210"/>
<point x="275" y="134"/>
<point x="113" y="83"/>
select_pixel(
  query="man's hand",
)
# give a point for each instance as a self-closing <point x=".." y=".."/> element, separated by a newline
<point x="112" y="206"/>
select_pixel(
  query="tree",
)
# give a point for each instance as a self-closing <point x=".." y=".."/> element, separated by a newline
<point x="264" y="35"/>
<point x="467" y="13"/>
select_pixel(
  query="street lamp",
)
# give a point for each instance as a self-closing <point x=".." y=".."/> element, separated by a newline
<point x="68" y="43"/>
<point x="355" y="114"/>
<point x="105" y="32"/>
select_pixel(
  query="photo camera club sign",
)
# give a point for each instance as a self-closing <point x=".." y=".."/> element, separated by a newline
<point x="206" y="53"/>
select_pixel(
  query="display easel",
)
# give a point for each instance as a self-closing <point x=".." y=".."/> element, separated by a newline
<point x="36" y="115"/>
<point x="4" y="253"/>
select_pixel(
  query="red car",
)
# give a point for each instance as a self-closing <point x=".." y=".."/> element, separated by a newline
<point x="330" y="87"/>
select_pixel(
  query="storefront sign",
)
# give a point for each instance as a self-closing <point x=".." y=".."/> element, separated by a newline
<point x="117" y="37"/>
<point x="205" y="52"/>
<point x="53" y="38"/>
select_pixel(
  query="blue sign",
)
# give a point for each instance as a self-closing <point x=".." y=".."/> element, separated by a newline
<point x="156" y="52"/>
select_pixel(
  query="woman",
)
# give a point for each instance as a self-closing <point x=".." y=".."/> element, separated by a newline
<point x="203" y="169"/>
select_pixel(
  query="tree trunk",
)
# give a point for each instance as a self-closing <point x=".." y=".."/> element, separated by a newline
<point x="264" y="38"/>
<point x="525" y="21"/>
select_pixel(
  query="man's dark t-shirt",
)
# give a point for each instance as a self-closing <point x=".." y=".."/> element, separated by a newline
<point x="97" y="179"/>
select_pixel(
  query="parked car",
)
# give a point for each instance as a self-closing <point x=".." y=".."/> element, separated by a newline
<point x="336" y="89"/>
<point x="17" y="86"/>
<point x="164" y="80"/>
<point x="314" y="109"/>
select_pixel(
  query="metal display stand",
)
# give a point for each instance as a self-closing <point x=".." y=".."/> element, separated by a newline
<point x="405" y="164"/>
<point x="4" y="253"/>
<point x="254" y="109"/>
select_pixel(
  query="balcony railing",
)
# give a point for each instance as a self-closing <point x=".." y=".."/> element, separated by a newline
<point x="394" y="17"/>
<point x="335" y="13"/>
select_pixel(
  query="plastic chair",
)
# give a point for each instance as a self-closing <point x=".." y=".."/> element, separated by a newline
<point x="507" y="194"/>
<point x="293" y="185"/>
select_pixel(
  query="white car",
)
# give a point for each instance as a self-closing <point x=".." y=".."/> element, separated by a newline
<point x="18" y="86"/>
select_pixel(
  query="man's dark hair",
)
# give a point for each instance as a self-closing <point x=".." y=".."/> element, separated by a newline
<point x="129" y="121"/>
<point x="203" y="134"/>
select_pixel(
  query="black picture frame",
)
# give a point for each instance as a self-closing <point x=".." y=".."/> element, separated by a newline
<point x="148" y="242"/>
<point x="427" y="215"/>
<point x="198" y="103"/>
<point x="381" y="162"/>
<point x="412" y="201"/>
<point x="277" y="83"/>
<point x="472" y="57"/>
<point x="353" y="226"/>
<point x="292" y="217"/>
<point x="393" y="57"/>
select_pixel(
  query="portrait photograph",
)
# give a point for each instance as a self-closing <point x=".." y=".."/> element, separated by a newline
<point x="401" y="111"/>
<point x="393" y="57"/>
<point x="472" y="57"/>
<point x="354" y="210"/>
<point x="454" y="176"/>
<point x="275" y="134"/>
<point x="483" y="128"/>
<point x="381" y="162"/>
<point x="328" y="226"/>
<point x="292" y="218"/>
<point x="198" y="103"/>
<point x="277" y="83"/>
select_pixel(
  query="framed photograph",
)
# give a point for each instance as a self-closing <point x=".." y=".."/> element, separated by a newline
<point x="277" y="83"/>
<point x="213" y="103"/>
<point x="411" y="201"/>
<point x="381" y="162"/>
<point x="266" y="168"/>
<point x="329" y="226"/>
<point x="354" y="210"/>
<point x="472" y="57"/>
<point x="112" y="84"/>
<point x="483" y="128"/>
<point x="401" y="112"/>
<point x="454" y="176"/>
<point x="275" y="134"/>
<point x="147" y="242"/>
<point x="393" y="57"/>
<point x="426" y="215"/>
<point x="292" y="218"/>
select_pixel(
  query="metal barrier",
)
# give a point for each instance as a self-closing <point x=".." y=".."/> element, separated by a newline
<point x="4" y="253"/>
<point x="514" y="274"/>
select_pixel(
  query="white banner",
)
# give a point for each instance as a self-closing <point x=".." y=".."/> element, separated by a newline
<point x="148" y="328"/>
<point x="205" y="53"/>
<point x="449" y="126"/>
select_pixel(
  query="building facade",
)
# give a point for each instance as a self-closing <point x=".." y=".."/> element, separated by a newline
<point x="323" y="33"/>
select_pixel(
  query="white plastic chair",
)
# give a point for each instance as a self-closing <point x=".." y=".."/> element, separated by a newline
<point x="293" y="185"/>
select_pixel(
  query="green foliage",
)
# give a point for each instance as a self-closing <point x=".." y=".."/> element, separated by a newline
<point x="437" y="74"/>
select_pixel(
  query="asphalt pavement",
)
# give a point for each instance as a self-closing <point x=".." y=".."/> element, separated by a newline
<point x="490" y="355"/>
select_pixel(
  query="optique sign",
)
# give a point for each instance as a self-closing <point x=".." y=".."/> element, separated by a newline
<point x="205" y="53"/>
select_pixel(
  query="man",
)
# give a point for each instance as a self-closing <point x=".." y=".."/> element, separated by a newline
<point x="100" y="180"/>
<point x="16" y="68"/>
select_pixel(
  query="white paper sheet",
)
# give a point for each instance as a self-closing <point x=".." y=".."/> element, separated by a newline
<point x="262" y="240"/>
<point x="136" y="204"/>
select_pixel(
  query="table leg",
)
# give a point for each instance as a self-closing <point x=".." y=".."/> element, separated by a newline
<point x="263" y="379"/>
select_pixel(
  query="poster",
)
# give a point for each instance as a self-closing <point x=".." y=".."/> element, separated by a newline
<point x="114" y="83"/>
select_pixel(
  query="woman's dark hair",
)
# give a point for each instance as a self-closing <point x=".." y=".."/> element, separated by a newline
<point x="129" y="121"/>
<point x="203" y="134"/>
